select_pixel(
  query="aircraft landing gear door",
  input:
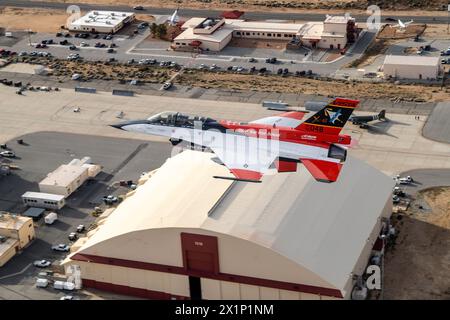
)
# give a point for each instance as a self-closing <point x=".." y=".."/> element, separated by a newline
<point x="195" y="288"/>
<point x="200" y="259"/>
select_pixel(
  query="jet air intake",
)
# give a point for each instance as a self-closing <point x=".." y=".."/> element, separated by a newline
<point x="337" y="152"/>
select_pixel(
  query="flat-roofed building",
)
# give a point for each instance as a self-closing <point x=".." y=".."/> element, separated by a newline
<point x="16" y="233"/>
<point x="411" y="67"/>
<point x="69" y="177"/>
<point x="183" y="234"/>
<point x="213" y="34"/>
<point x="8" y="250"/>
<point x="102" y="21"/>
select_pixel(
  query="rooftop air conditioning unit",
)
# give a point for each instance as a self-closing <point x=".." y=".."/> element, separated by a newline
<point x="96" y="12"/>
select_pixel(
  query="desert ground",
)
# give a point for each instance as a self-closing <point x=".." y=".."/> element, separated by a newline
<point x="50" y="20"/>
<point x="311" y="86"/>
<point x="25" y="19"/>
<point x="418" y="266"/>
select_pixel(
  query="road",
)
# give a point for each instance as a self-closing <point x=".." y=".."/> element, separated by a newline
<point x="426" y="178"/>
<point x="255" y="15"/>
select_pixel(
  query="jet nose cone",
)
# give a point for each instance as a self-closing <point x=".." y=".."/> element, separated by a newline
<point x="117" y="126"/>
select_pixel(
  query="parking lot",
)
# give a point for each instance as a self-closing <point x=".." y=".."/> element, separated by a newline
<point x="43" y="152"/>
<point x="135" y="46"/>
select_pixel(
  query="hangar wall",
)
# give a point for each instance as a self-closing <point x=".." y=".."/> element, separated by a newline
<point x="236" y="256"/>
<point x="254" y="271"/>
<point x="361" y="264"/>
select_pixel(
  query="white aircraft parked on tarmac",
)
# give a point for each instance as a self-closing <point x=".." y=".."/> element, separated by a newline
<point x="174" y="18"/>
<point x="402" y="25"/>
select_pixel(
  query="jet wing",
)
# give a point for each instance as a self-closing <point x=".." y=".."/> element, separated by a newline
<point x="245" y="165"/>
<point x="287" y="119"/>
<point x="322" y="171"/>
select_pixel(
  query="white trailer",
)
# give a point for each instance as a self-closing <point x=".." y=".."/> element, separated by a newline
<point x="51" y="218"/>
<point x="43" y="200"/>
<point x="62" y="285"/>
<point x="41" y="283"/>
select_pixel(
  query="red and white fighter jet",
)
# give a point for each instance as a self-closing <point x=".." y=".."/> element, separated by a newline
<point x="248" y="150"/>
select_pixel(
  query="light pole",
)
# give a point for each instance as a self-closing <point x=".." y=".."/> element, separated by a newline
<point x="29" y="36"/>
<point x="448" y="18"/>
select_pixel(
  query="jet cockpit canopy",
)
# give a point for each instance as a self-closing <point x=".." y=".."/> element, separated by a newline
<point x="176" y="118"/>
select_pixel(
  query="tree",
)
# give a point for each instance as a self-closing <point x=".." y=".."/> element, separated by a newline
<point x="154" y="29"/>
<point x="162" y="30"/>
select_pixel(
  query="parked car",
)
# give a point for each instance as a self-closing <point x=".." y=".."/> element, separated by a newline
<point x="395" y="199"/>
<point x="111" y="50"/>
<point x="64" y="42"/>
<point x="404" y="180"/>
<point x="73" y="236"/>
<point x="73" y="56"/>
<point x="370" y="75"/>
<point x="110" y="199"/>
<point x="280" y="71"/>
<point x="142" y="25"/>
<point x="252" y="60"/>
<point x="58" y="34"/>
<point x="41" y="283"/>
<point x="84" y="44"/>
<point x="80" y="228"/>
<point x="138" y="8"/>
<point x="76" y="76"/>
<point x="7" y="154"/>
<point x="398" y="192"/>
<point x="72" y="47"/>
<point x="42" y="263"/>
<point x="167" y="85"/>
<point x="61" y="247"/>
<point x="22" y="53"/>
<point x="67" y="298"/>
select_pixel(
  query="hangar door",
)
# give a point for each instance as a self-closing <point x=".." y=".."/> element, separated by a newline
<point x="200" y="253"/>
<point x="200" y="256"/>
